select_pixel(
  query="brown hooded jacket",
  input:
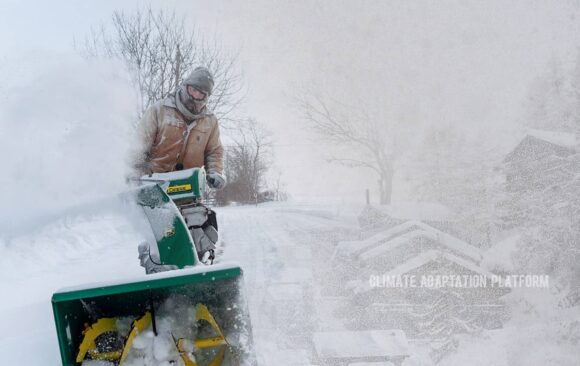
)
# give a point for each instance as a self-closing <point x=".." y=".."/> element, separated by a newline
<point x="162" y="131"/>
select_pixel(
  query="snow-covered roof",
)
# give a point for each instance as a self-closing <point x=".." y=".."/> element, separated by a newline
<point x="426" y="231"/>
<point x="560" y="140"/>
<point x="432" y="255"/>
<point x="361" y="344"/>
<point x="348" y="248"/>
<point x="564" y="139"/>
<point x="425" y="211"/>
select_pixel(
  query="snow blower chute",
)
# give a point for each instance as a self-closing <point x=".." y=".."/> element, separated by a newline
<point x="184" y="312"/>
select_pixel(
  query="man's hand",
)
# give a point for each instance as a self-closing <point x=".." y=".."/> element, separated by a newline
<point x="216" y="180"/>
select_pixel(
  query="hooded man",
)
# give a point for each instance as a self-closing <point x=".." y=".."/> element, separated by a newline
<point x="180" y="132"/>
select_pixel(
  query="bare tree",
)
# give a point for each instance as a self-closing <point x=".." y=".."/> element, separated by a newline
<point x="247" y="161"/>
<point x="361" y="132"/>
<point x="278" y="191"/>
<point x="159" y="50"/>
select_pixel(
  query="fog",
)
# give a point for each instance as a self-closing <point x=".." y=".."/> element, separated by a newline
<point x="474" y="107"/>
<point x="452" y="64"/>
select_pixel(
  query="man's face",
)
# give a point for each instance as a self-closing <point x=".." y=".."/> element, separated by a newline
<point x="194" y="93"/>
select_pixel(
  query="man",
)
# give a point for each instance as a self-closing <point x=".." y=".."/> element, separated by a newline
<point x="179" y="132"/>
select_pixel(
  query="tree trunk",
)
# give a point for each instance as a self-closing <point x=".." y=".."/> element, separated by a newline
<point x="386" y="186"/>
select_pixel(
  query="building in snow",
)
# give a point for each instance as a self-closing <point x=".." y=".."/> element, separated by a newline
<point x="539" y="159"/>
<point x="540" y="143"/>
<point x="395" y="285"/>
<point x="540" y="177"/>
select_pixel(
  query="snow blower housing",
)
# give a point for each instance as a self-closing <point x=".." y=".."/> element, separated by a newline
<point x="196" y="314"/>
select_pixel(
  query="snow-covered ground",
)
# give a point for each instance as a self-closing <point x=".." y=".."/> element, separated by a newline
<point x="99" y="243"/>
<point x="278" y="272"/>
<point x="276" y="244"/>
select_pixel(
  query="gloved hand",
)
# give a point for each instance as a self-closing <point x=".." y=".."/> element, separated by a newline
<point x="216" y="180"/>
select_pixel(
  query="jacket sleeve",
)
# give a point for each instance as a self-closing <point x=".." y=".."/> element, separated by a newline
<point x="146" y="134"/>
<point x="214" y="151"/>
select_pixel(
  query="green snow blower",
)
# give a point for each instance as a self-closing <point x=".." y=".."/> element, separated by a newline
<point x="185" y="311"/>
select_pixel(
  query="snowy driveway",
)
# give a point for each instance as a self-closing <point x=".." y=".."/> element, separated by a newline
<point x="274" y="246"/>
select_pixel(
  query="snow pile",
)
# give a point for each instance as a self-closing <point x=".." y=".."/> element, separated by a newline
<point x="65" y="136"/>
<point x="541" y="332"/>
<point x="98" y="245"/>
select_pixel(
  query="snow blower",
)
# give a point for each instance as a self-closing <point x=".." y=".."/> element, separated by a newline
<point x="183" y="312"/>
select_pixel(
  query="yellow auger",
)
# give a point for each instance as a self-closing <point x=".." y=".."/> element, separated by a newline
<point x="185" y="347"/>
<point x="91" y="333"/>
<point x="202" y="313"/>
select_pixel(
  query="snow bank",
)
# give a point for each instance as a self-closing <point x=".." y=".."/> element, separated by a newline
<point x="540" y="332"/>
<point x="65" y="136"/>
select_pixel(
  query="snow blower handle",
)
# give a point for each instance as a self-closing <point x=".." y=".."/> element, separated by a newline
<point x="182" y="185"/>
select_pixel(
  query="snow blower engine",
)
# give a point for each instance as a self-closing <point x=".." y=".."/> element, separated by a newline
<point x="185" y="188"/>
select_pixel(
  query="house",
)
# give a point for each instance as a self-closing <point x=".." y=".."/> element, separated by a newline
<point x="540" y="143"/>
<point x="539" y="160"/>
<point x="415" y="249"/>
<point x="385" y="250"/>
<point x="540" y="177"/>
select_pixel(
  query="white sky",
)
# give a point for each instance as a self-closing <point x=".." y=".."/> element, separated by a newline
<point x="457" y="62"/>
